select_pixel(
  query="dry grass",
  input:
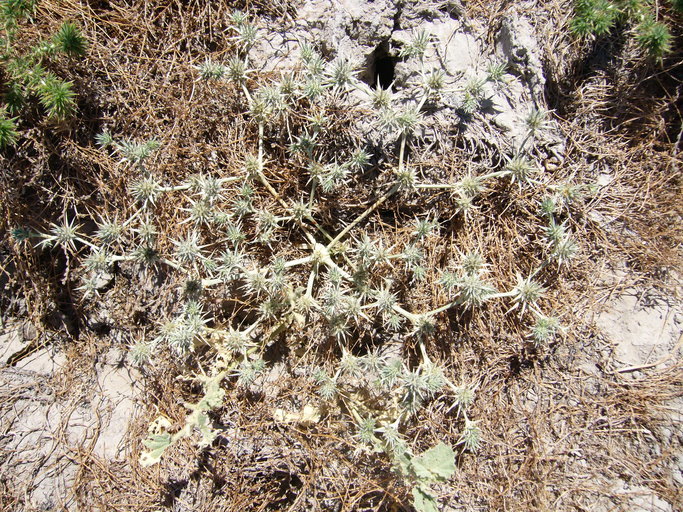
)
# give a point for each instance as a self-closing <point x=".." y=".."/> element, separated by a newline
<point x="555" y="435"/>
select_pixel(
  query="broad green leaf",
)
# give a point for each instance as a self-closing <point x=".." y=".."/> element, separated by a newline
<point x="423" y="500"/>
<point x="435" y="464"/>
<point x="404" y="464"/>
<point x="156" y="443"/>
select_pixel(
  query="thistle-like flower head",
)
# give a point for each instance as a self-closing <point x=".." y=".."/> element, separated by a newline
<point x="496" y="72"/>
<point x="423" y="228"/>
<point x="470" y="437"/>
<point x="379" y="98"/>
<point x="209" y="70"/>
<point x="434" y="82"/>
<point x="247" y="34"/>
<point x="236" y="70"/>
<point x="544" y="329"/>
<point x="565" y="250"/>
<point x="146" y="190"/>
<point x="526" y="293"/>
<point x="473" y="263"/>
<point x="188" y="250"/>
<point x="137" y="152"/>
<point x="99" y="260"/>
<point x="200" y="212"/>
<point x="110" y="231"/>
<point x="418" y="46"/>
<point x="521" y="169"/>
<point x="536" y="120"/>
<point x="366" y="430"/>
<point x="473" y="290"/>
<point x="341" y="73"/>
<point x="64" y="234"/>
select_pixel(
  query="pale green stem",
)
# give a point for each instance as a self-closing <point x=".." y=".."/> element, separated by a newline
<point x="501" y="295"/>
<point x="89" y="244"/>
<point x="367" y="212"/>
<point x="313" y="188"/>
<point x="412" y="317"/>
<point x="300" y="261"/>
<point x="177" y="188"/>
<point x="443" y="308"/>
<point x="210" y="282"/>
<point x="133" y="217"/>
<point x="456" y="185"/>
<point x="528" y="137"/>
<point x="402" y="151"/>
<point x="311" y="280"/>
<point x="260" y="147"/>
<point x="252" y="327"/>
<point x="187" y="186"/>
<point x="174" y="265"/>
<point x="428" y="186"/>
<point x="246" y="92"/>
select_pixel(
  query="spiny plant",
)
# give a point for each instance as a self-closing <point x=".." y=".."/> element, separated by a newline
<point x="310" y="281"/>
<point x="26" y="73"/>
<point x="600" y="17"/>
<point x="8" y="129"/>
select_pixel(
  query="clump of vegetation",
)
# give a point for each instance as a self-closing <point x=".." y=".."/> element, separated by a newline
<point x="600" y="17"/>
<point x="299" y="277"/>
<point x="338" y="296"/>
<point x="27" y="74"/>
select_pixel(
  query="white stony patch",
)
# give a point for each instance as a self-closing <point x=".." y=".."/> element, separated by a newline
<point x="642" y="330"/>
<point x="45" y="436"/>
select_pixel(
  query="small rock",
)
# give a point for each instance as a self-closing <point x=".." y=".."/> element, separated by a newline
<point x="28" y="331"/>
<point x="103" y="279"/>
<point x="506" y="121"/>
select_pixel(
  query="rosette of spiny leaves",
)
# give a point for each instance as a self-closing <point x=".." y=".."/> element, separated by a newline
<point x="417" y="46"/>
<point x="185" y="331"/>
<point x="544" y="329"/>
<point x="468" y="286"/>
<point x="560" y="241"/>
<point x="347" y="299"/>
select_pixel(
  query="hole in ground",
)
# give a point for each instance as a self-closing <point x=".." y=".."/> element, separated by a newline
<point x="381" y="65"/>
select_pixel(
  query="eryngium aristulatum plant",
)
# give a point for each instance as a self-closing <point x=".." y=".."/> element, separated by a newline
<point x="234" y="238"/>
